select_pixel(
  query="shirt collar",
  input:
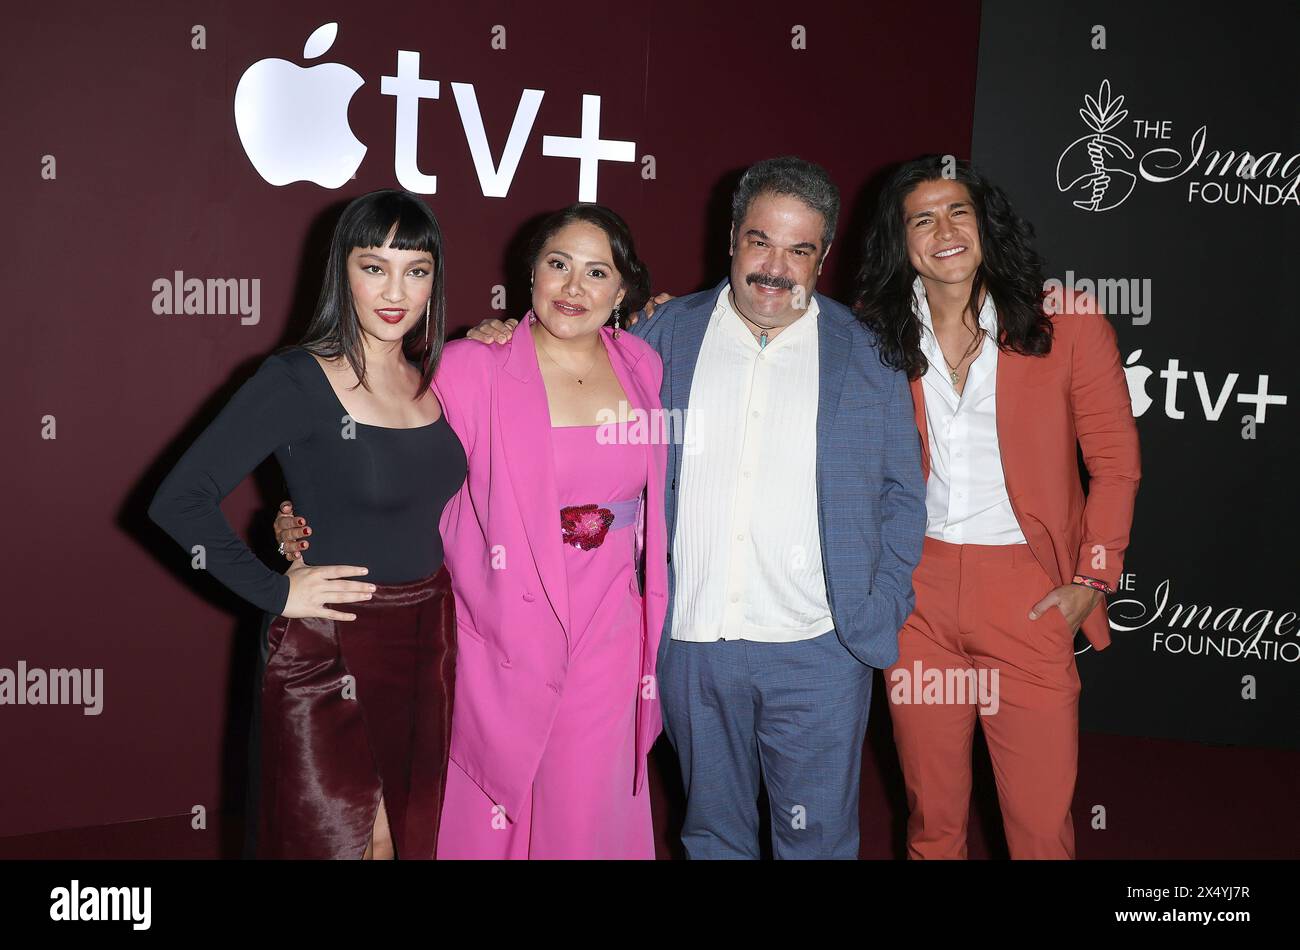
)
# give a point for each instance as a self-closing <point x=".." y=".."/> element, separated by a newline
<point x="725" y="313"/>
<point x="988" y="318"/>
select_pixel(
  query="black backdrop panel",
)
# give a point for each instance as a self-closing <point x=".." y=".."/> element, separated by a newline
<point x="1122" y="131"/>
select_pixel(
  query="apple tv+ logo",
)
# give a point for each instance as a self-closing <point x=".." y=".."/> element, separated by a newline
<point x="293" y="125"/>
<point x="1212" y="404"/>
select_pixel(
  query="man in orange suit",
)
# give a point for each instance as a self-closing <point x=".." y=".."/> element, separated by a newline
<point x="1007" y="386"/>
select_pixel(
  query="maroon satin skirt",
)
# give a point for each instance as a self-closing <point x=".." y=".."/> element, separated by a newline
<point x="356" y="709"/>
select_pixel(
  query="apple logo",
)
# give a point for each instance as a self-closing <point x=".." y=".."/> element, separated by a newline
<point x="293" y="121"/>
<point x="1137" y="377"/>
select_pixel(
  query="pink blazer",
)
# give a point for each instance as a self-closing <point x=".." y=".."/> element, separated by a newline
<point x="501" y="535"/>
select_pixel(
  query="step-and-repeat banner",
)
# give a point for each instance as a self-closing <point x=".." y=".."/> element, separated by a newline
<point x="1156" y="148"/>
<point x="173" y="171"/>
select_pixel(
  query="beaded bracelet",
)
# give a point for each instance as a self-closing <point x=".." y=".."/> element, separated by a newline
<point x="1093" y="583"/>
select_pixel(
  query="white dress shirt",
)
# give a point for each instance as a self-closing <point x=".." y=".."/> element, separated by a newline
<point x="746" y="553"/>
<point x="966" y="496"/>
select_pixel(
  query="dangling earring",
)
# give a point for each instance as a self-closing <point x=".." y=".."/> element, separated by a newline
<point x="617" y="313"/>
<point x="427" y="304"/>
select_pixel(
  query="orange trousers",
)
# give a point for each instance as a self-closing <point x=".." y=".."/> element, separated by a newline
<point x="971" y="624"/>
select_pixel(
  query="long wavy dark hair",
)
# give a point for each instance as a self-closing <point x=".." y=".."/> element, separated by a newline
<point x="1011" y="270"/>
<point x="335" y="329"/>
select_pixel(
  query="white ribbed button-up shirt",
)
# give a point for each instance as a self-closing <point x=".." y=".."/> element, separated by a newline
<point x="966" y="498"/>
<point x="746" y="553"/>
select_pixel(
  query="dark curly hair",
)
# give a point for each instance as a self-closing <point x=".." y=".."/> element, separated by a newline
<point x="1011" y="270"/>
<point x="632" y="270"/>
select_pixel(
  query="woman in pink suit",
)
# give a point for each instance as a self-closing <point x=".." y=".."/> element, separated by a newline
<point x="556" y="701"/>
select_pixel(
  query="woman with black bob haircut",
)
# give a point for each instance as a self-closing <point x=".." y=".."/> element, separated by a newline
<point x="1009" y="387"/>
<point x="367" y="223"/>
<point x="356" y="702"/>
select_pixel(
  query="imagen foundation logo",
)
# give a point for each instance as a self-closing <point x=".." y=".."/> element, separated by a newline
<point x="1092" y="169"/>
<point x="1088" y="162"/>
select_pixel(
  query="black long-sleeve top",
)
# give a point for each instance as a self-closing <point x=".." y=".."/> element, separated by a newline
<point x="372" y="495"/>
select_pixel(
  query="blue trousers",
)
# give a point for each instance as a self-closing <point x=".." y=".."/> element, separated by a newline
<point x="794" y="714"/>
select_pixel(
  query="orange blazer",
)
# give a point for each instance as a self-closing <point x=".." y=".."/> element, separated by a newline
<point x="1048" y="407"/>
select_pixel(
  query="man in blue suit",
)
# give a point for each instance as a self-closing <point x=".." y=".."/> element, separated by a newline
<point x="796" y="509"/>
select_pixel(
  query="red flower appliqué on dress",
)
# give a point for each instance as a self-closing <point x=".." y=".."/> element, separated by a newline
<point x="585" y="526"/>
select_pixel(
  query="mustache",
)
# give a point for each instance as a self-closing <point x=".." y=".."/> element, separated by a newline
<point x="767" y="280"/>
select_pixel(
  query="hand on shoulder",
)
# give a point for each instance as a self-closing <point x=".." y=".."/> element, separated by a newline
<point x="493" y="330"/>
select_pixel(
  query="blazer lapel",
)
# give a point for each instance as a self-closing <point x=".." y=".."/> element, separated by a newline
<point x="525" y="419"/>
<point x="1013" y="374"/>
<point x="688" y="337"/>
<point x="637" y="402"/>
<point x="918" y="409"/>
<point x="1009" y="381"/>
<point x="684" y="346"/>
<point x="833" y="346"/>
